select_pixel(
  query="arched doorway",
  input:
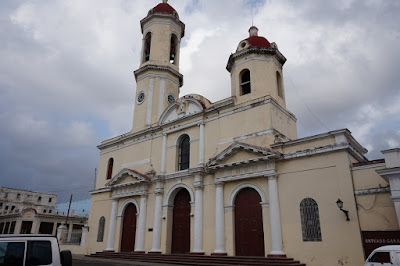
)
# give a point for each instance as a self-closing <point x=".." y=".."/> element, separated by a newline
<point x="181" y="223"/>
<point x="129" y="229"/>
<point x="249" y="234"/>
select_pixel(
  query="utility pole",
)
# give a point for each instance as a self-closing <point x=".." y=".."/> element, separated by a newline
<point x="95" y="178"/>
<point x="69" y="207"/>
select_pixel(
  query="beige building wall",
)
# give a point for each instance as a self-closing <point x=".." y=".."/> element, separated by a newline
<point x="374" y="203"/>
<point x="323" y="178"/>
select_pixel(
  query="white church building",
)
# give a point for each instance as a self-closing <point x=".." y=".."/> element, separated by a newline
<point x="232" y="177"/>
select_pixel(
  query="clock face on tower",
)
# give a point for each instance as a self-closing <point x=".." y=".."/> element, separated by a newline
<point x="140" y="98"/>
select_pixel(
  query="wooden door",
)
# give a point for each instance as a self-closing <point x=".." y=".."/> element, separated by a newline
<point x="249" y="234"/>
<point x="181" y="223"/>
<point x="129" y="229"/>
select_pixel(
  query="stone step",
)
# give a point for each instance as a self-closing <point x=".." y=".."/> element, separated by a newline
<point x="187" y="259"/>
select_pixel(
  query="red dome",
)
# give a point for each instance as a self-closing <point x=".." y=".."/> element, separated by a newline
<point x="258" y="41"/>
<point x="164" y="8"/>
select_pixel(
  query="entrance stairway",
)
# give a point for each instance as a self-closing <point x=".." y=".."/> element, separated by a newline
<point x="186" y="259"/>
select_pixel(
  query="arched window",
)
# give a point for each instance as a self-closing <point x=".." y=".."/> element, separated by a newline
<point x="310" y="220"/>
<point x="100" y="232"/>
<point x="245" y="82"/>
<point x="184" y="153"/>
<point x="172" y="53"/>
<point x="279" y="84"/>
<point x="110" y="168"/>
<point x="147" y="46"/>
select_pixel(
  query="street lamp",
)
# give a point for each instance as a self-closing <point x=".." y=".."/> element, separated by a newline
<point x="339" y="203"/>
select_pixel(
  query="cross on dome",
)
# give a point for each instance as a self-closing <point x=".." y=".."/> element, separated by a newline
<point x="164" y="1"/>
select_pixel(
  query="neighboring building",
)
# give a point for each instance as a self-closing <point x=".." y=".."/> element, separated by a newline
<point x="231" y="177"/>
<point x="32" y="212"/>
<point x="14" y="200"/>
<point x="29" y="221"/>
<point x="80" y="207"/>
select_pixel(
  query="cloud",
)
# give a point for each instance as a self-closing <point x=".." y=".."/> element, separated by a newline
<point x="66" y="80"/>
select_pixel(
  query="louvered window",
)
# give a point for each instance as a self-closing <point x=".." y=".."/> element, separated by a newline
<point x="310" y="220"/>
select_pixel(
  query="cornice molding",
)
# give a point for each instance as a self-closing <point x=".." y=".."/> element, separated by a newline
<point x="173" y="17"/>
<point x="369" y="191"/>
<point x="159" y="68"/>
<point x="255" y="50"/>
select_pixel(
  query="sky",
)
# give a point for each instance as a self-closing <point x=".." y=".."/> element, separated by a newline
<point x="66" y="74"/>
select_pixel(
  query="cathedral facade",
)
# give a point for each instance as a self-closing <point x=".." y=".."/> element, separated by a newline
<point x="231" y="177"/>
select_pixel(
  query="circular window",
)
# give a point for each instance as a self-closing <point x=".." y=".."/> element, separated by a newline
<point x="171" y="99"/>
<point x="140" y="97"/>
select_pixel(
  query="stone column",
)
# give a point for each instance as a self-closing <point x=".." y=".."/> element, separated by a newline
<point x="275" y="218"/>
<point x="156" y="244"/>
<point x="142" y="225"/>
<point x="35" y="226"/>
<point x="111" y="226"/>
<point x="84" y="233"/>
<point x="201" y="145"/>
<point x="62" y="233"/>
<point x="198" y="219"/>
<point x="17" y="229"/>
<point x="219" y="220"/>
<point x="163" y="154"/>
<point x="70" y="226"/>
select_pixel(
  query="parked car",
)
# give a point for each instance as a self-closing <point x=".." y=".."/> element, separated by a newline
<point x="24" y="250"/>
<point x="385" y="255"/>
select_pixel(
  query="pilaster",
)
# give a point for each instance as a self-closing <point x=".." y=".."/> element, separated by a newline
<point x="198" y="218"/>
<point x="111" y="227"/>
<point x="142" y="225"/>
<point x="219" y="220"/>
<point x="275" y="218"/>
<point x="156" y="244"/>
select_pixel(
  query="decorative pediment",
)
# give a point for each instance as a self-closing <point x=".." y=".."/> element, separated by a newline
<point x="241" y="153"/>
<point x="181" y="108"/>
<point x="127" y="176"/>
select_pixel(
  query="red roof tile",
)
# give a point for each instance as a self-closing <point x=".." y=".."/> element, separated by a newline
<point x="164" y="8"/>
<point x="258" y="41"/>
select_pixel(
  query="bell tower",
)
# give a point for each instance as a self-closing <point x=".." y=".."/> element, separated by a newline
<point x="257" y="75"/>
<point x="256" y="69"/>
<point x="158" y="79"/>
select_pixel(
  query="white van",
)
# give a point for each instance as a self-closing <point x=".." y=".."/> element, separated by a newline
<point x="382" y="256"/>
<point x="24" y="250"/>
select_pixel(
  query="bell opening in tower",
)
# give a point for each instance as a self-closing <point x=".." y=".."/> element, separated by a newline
<point x="172" y="54"/>
<point x="245" y="82"/>
<point x="147" y="46"/>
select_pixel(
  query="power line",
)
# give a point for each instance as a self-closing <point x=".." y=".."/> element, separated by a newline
<point x="308" y="108"/>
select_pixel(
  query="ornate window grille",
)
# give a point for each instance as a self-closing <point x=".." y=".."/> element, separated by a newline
<point x="100" y="232"/>
<point x="310" y="224"/>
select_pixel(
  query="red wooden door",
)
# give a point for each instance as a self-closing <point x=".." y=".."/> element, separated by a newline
<point x="129" y="229"/>
<point x="181" y="223"/>
<point x="249" y="234"/>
